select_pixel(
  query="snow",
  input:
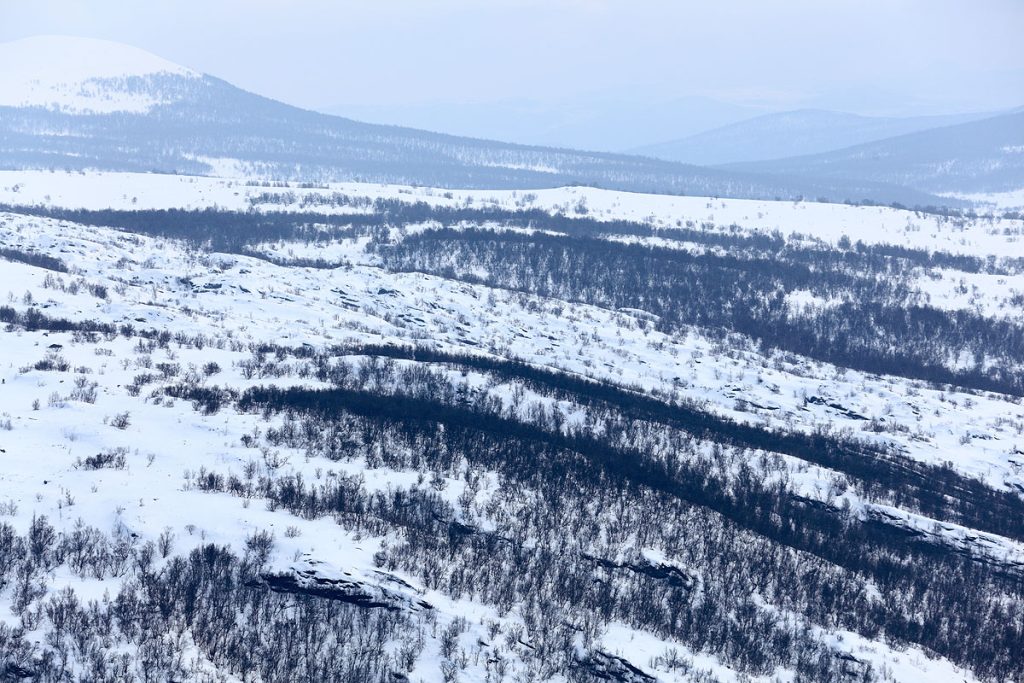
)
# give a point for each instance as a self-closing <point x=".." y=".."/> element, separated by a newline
<point x="808" y="222"/>
<point x="260" y="301"/>
<point x="80" y="75"/>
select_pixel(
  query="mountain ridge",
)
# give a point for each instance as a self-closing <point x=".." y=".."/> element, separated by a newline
<point x="200" y="124"/>
<point x="609" y="122"/>
<point x="986" y="155"/>
<point x="792" y="133"/>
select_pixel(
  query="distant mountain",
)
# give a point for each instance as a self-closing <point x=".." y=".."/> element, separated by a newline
<point x="85" y="76"/>
<point x="978" y="156"/>
<point x="606" y="122"/>
<point x="787" y="134"/>
<point x="77" y="104"/>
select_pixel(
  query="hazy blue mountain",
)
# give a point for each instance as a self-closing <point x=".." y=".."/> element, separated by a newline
<point x="608" y="122"/>
<point x="792" y="133"/>
<point x="156" y="116"/>
<point x="979" y="156"/>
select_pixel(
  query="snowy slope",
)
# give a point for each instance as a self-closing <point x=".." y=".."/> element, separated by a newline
<point x="225" y="306"/>
<point x="84" y="75"/>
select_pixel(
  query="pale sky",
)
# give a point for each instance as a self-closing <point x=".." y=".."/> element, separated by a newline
<point x="910" y="56"/>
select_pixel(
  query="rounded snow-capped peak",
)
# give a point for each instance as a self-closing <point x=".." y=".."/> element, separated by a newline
<point x="86" y="75"/>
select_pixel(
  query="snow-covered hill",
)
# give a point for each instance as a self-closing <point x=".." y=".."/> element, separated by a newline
<point x="85" y="76"/>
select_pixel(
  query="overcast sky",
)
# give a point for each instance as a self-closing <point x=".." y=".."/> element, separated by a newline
<point x="860" y="55"/>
